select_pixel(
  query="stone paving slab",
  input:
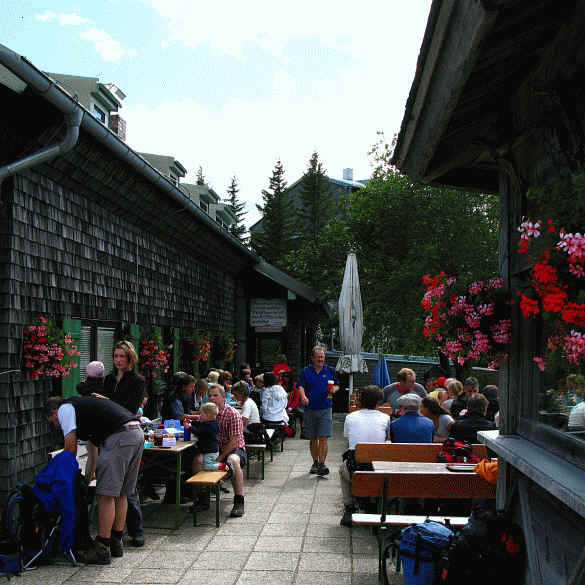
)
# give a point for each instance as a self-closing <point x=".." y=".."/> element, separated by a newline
<point x="290" y="535"/>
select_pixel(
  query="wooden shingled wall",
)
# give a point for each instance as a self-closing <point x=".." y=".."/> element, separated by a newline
<point x="69" y="231"/>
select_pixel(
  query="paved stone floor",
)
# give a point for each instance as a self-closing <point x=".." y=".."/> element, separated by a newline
<point x="290" y="535"/>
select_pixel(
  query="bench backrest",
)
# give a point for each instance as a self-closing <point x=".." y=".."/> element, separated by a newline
<point x="385" y="409"/>
<point x="427" y="485"/>
<point x="421" y="452"/>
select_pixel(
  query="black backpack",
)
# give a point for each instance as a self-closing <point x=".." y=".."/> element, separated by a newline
<point x="487" y="548"/>
<point x="454" y="451"/>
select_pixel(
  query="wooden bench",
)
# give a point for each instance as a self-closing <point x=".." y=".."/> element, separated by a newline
<point x="257" y="450"/>
<point x="377" y="484"/>
<point x="421" y="452"/>
<point x="212" y="480"/>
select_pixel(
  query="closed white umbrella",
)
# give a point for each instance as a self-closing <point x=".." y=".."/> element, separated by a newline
<point x="351" y="322"/>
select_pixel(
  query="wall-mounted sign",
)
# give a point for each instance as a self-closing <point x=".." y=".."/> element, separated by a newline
<point x="269" y="313"/>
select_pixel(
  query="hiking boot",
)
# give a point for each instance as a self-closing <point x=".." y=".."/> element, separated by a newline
<point x="98" y="554"/>
<point x="346" y="518"/>
<point x="116" y="547"/>
<point x="314" y="467"/>
<point x="323" y="469"/>
<point x="137" y="541"/>
<point x="237" y="510"/>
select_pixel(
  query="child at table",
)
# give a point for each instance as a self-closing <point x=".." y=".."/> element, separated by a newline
<point x="206" y="428"/>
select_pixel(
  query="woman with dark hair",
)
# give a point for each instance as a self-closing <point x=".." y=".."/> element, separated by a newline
<point x="178" y="400"/>
<point x="200" y="395"/>
<point x="441" y="418"/>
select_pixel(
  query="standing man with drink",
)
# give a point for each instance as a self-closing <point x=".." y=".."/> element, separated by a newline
<point x="317" y="383"/>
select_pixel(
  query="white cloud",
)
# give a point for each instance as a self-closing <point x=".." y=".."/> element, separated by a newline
<point x="108" y="48"/>
<point x="64" y="19"/>
<point x="46" y="16"/>
<point x="72" y="19"/>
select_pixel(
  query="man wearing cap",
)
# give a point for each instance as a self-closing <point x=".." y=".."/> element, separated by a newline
<point x="406" y="384"/>
<point x="313" y="385"/>
<point x="411" y="427"/>
<point x="116" y="431"/>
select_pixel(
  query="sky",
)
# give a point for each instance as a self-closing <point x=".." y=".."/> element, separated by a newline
<point x="235" y="86"/>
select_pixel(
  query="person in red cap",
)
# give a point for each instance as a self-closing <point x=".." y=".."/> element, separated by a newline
<point x="439" y="384"/>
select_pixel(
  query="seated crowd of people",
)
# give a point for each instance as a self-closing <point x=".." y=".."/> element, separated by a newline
<point x="109" y="410"/>
<point x="446" y="408"/>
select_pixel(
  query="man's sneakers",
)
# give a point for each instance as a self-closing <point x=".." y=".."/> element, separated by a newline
<point x="319" y="468"/>
<point x="237" y="510"/>
<point x="137" y="541"/>
<point x="346" y="519"/>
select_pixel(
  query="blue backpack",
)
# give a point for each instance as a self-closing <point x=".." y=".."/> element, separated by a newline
<point x="422" y="546"/>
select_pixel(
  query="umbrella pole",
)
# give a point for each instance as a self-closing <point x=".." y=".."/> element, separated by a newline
<point x="350" y="391"/>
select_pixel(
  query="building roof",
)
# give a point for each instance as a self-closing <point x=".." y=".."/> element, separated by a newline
<point x="474" y="56"/>
<point x="285" y="280"/>
<point x="84" y="88"/>
<point x="164" y="163"/>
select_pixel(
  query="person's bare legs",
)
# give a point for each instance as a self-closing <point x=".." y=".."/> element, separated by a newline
<point x="314" y="448"/>
<point x="238" y="474"/>
<point x="106" y="515"/>
<point x="121" y="509"/>
<point x="322" y="449"/>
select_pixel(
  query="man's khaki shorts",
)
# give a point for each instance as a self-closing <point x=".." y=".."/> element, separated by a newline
<point x="119" y="461"/>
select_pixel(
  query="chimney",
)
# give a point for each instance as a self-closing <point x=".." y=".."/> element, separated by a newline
<point x="117" y="125"/>
<point x="348" y="174"/>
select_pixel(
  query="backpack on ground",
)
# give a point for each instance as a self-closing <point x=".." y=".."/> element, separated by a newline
<point x="453" y="451"/>
<point x="422" y="547"/>
<point x="490" y="546"/>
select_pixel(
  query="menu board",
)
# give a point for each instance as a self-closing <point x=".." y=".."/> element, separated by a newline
<point x="268" y="313"/>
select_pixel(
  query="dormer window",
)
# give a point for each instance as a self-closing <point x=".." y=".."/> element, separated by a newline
<point x="174" y="179"/>
<point x="99" y="114"/>
<point x="204" y="206"/>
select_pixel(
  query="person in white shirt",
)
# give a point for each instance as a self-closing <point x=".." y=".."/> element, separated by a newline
<point x="577" y="416"/>
<point x="366" y="425"/>
<point x="274" y="400"/>
<point x="249" y="412"/>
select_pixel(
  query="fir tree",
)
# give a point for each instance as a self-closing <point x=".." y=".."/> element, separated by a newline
<point x="316" y="201"/>
<point x="237" y="229"/>
<point x="200" y="177"/>
<point x="275" y="239"/>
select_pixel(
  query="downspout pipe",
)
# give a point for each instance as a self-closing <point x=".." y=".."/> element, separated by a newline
<point x="72" y="122"/>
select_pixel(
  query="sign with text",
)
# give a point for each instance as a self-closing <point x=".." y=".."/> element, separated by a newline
<point x="268" y="313"/>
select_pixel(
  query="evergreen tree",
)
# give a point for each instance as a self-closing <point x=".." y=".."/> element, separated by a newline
<point x="237" y="229"/>
<point x="316" y="201"/>
<point x="200" y="177"/>
<point x="275" y="239"/>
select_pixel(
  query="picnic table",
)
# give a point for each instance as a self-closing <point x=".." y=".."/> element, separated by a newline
<point x="413" y="479"/>
<point x="169" y="460"/>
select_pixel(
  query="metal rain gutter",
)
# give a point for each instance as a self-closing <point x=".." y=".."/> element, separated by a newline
<point x="26" y="71"/>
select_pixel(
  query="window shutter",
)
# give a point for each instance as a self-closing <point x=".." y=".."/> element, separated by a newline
<point x="105" y="347"/>
<point x="84" y="348"/>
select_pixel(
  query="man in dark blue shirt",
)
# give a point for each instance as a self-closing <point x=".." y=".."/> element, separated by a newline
<point x="411" y="427"/>
<point x="317" y="383"/>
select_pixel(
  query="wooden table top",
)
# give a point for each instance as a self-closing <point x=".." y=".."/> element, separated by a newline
<point x="178" y="448"/>
<point x="416" y="467"/>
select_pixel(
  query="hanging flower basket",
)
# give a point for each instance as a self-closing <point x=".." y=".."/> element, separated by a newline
<point x="48" y="350"/>
<point x="467" y="324"/>
<point x="555" y="289"/>
<point x="153" y="356"/>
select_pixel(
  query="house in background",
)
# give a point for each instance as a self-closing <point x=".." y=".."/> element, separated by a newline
<point x="166" y="165"/>
<point x="209" y="202"/>
<point x="339" y="188"/>
<point x="102" y="100"/>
